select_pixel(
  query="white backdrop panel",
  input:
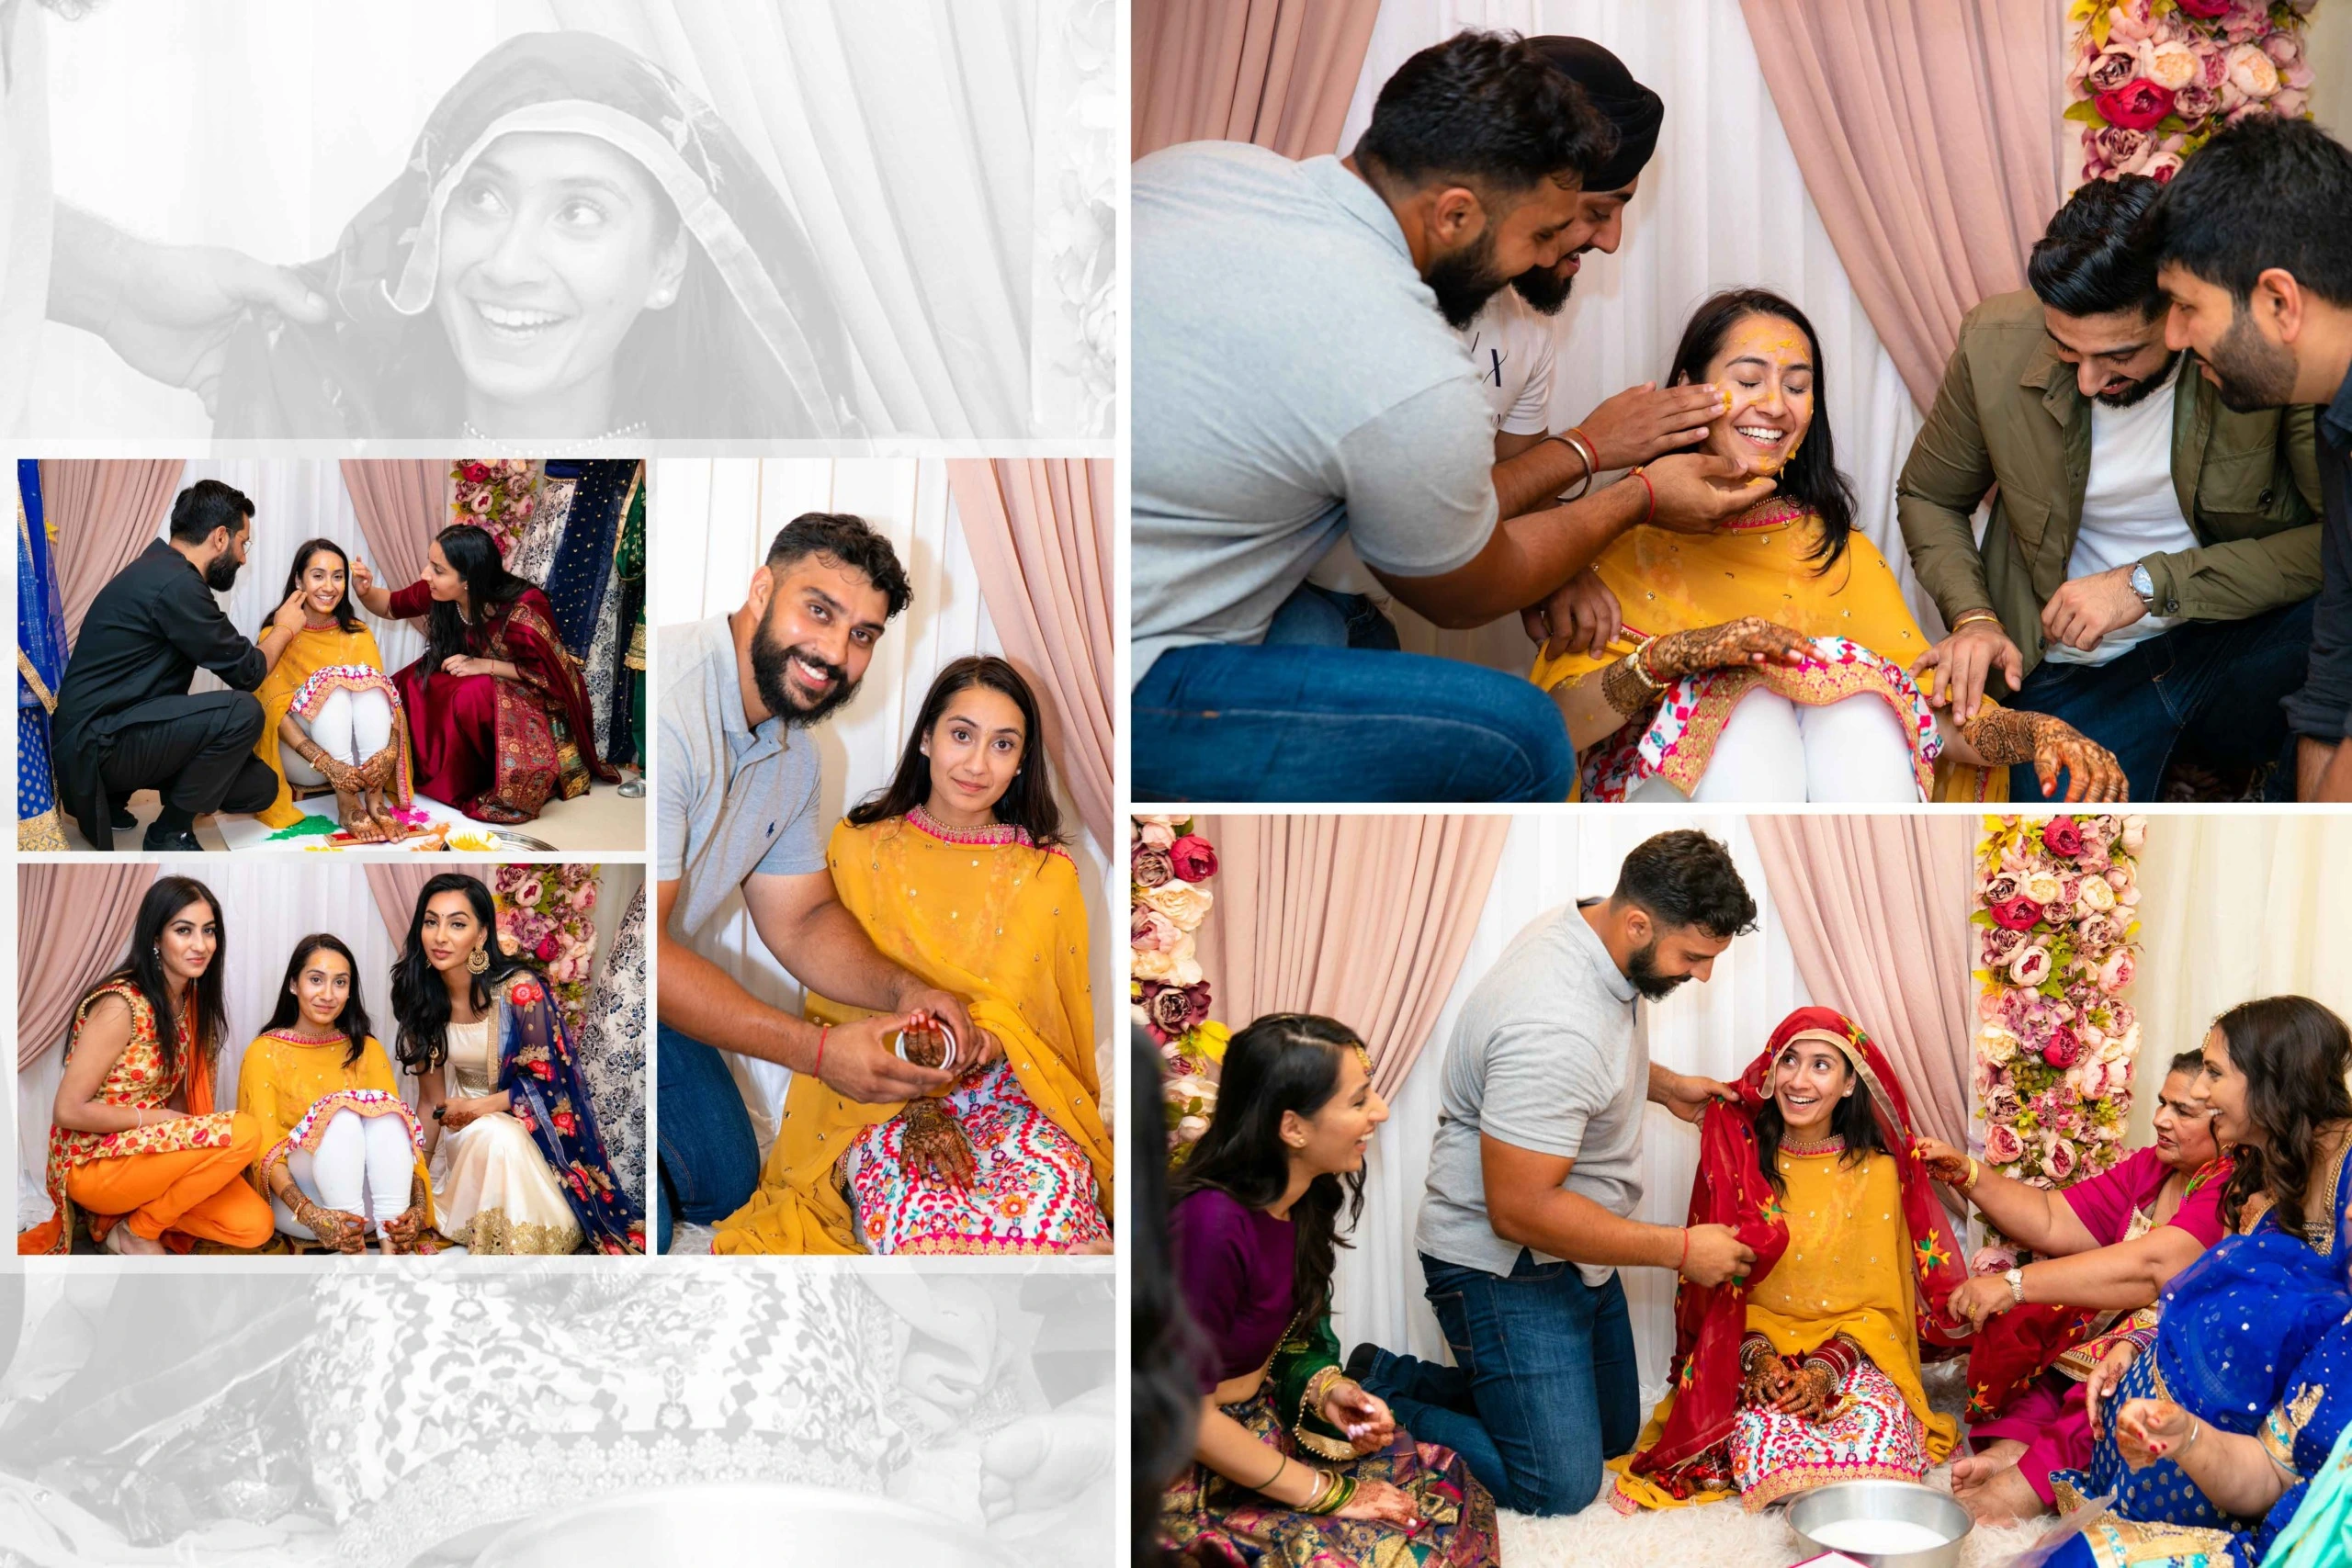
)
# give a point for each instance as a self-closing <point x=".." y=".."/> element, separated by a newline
<point x="719" y="516"/>
<point x="1722" y="205"/>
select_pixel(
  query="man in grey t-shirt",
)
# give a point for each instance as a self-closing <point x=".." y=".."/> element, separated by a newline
<point x="739" y="792"/>
<point x="1535" y="1175"/>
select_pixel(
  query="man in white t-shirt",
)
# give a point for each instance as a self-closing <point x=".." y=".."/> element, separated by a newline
<point x="1514" y="346"/>
<point x="2148" y="571"/>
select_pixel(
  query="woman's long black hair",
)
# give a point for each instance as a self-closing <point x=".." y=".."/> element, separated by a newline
<point x="1027" y="802"/>
<point x="2294" y="1053"/>
<point x="1811" y="477"/>
<point x="144" y="969"/>
<point x="353" y="1020"/>
<point x="420" y="999"/>
<point x="1284" y="1061"/>
<point x="345" y="615"/>
<point x="1852" y="1120"/>
<point x="473" y="555"/>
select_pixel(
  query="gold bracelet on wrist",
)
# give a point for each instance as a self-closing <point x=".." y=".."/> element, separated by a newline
<point x="1975" y="616"/>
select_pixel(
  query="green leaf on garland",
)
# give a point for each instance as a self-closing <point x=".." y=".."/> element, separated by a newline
<point x="2084" y="111"/>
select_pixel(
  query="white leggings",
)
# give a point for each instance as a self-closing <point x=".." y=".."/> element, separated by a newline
<point x="362" y="1165"/>
<point x="351" y="728"/>
<point x="1774" y="750"/>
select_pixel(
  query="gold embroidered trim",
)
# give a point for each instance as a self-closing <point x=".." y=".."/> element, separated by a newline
<point x="490" y="1231"/>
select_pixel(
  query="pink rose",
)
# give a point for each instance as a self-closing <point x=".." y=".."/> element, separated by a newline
<point x="2002" y="1146"/>
<point x="1192" y="859"/>
<point x="2061" y="837"/>
<point x="2207" y="9"/>
<point x="2252" y="72"/>
<point x="530" y="893"/>
<point x="1170" y="1007"/>
<point x="2121" y="148"/>
<point x="1999" y="946"/>
<point x="2138" y="105"/>
<point x="2195" y="101"/>
<point x="1151" y="932"/>
<point x="2283" y="46"/>
<point x="2063" y="1049"/>
<point x="521" y="510"/>
<point x="585" y="900"/>
<point x="1159" y="834"/>
<point x="2111" y="70"/>
<point x="2060" y="1160"/>
<point x="2115" y="971"/>
<point x="2017" y="914"/>
<point x="1196" y="1003"/>
<point x="1151" y="867"/>
<point x="1991" y="1260"/>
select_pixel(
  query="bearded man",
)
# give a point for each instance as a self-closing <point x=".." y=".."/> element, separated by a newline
<point x="125" y="719"/>
<point x="739" y="813"/>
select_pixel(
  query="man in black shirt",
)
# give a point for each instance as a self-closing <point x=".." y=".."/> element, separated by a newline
<point x="125" y="720"/>
<point x="2253" y="240"/>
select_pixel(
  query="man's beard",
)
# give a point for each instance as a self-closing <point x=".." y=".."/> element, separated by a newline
<point x="2254" y="372"/>
<point x="221" y="575"/>
<point x="1645" y="975"/>
<point x="770" y="662"/>
<point x="1543" y="288"/>
<point x="1464" y="279"/>
<point x="2139" y="390"/>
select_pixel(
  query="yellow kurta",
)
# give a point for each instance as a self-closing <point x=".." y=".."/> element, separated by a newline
<point x="1758" y="565"/>
<point x="295" y="1086"/>
<point x="1001" y="925"/>
<point x="317" y="661"/>
<point x="1847" y="1270"/>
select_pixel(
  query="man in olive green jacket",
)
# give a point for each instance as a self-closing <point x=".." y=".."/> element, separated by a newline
<point x="2148" y="571"/>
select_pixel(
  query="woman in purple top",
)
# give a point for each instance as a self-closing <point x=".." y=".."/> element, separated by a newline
<point x="1295" y="1466"/>
<point x="2110" y="1244"/>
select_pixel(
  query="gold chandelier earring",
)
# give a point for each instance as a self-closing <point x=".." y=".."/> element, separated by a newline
<point x="478" y="960"/>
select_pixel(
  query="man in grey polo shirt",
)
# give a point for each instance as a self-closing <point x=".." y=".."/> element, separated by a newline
<point x="739" y="811"/>
<point x="1535" y="1175"/>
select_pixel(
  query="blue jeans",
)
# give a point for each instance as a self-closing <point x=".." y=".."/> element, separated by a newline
<point x="1221" y="721"/>
<point x="710" y="1161"/>
<point x="2216" y="684"/>
<point x="1329" y="619"/>
<point x="1544" y="1386"/>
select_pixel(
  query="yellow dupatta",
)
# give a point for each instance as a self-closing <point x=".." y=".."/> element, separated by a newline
<point x="982" y="915"/>
<point x="319" y="661"/>
<point x="294" y="1088"/>
<point x="1756" y="565"/>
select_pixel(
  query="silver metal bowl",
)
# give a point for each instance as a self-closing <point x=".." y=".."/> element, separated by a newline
<point x="1898" y="1500"/>
<point x="697" y="1527"/>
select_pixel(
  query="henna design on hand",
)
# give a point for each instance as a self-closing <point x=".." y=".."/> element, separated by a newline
<point x="2007" y="737"/>
<point x="1748" y="641"/>
<point x="1625" y="690"/>
<point x="935" y="1147"/>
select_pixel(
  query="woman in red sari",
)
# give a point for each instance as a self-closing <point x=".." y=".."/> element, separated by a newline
<point x="497" y="710"/>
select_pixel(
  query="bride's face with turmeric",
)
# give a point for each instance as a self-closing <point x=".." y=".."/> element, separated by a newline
<point x="1765" y="369"/>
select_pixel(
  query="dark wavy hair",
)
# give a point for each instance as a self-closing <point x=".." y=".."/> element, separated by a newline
<point x="1027" y="802"/>
<point x="1486" y="109"/>
<point x="143" y="967"/>
<point x="1165" y="1400"/>
<point x="353" y="1020"/>
<point x="1284" y="1061"/>
<point x="2090" y="260"/>
<point x="2294" y="1053"/>
<point x="473" y="555"/>
<point x="1685" y="879"/>
<point x="846" y="540"/>
<point x="420" y="999"/>
<point x="208" y="505"/>
<point x="1811" y="477"/>
<point x="1852" y="1120"/>
<point x="345" y="615"/>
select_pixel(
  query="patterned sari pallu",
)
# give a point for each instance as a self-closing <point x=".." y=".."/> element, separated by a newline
<point x="548" y="1095"/>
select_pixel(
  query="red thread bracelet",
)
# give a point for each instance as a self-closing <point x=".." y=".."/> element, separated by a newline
<point x="1650" y="515"/>
<point x="817" y="1070"/>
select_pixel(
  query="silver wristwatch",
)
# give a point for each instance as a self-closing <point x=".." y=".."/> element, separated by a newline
<point x="2145" y="587"/>
<point x="2016" y="1278"/>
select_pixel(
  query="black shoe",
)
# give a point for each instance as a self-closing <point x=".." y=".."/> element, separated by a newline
<point x="121" y="820"/>
<point x="1360" y="1362"/>
<point x="161" y="838"/>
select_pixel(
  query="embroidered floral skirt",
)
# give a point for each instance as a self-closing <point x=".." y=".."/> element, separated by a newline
<point x="1208" y="1520"/>
<point x="1032" y="1189"/>
<point x="1871" y="1435"/>
<point x="493" y="1192"/>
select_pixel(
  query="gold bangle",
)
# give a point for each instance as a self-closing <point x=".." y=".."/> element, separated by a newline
<point x="1975" y="616"/>
<point x="1975" y="1174"/>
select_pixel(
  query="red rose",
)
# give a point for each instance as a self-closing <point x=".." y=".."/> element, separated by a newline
<point x="1193" y="858"/>
<point x="2137" y="104"/>
<point x="2064" y="1050"/>
<point x="541" y="1070"/>
<point x="2063" y="836"/>
<point x="477" y="473"/>
<point x="2208" y="9"/>
<point x="523" y="994"/>
<point x="1196" y="1003"/>
<point x="2017" y="914"/>
<point x="566" y="1122"/>
<point x="547" y="948"/>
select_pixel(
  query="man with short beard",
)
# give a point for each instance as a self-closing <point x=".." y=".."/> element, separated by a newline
<point x="1298" y="379"/>
<point x="2148" y="570"/>
<point x="739" y="814"/>
<point x="125" y="719"/>
<point x="2252" y="242"/>
<point x="1537" y="1172"/>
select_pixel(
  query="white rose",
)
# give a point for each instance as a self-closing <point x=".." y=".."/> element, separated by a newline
<point x="2095" y="895"/>
<point x="2135" y="832"/>
<point x="1185" y="904"/>
<point x="2252" y="72"/>
<point x="1184" y="964"/>
<point x="1159" y="834"/>
<point x="2172" y="66"/>
<point x="1156" y="965"/>
<point x="2043" y="886"/>
<point x="1998" y="1045"/>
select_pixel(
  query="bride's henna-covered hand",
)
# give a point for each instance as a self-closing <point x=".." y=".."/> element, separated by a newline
<point x="1751" y="640"/>
<point x="935" y="1147"/>
<point x="2005" y="736"/>
<point x="1810" y="1391"/>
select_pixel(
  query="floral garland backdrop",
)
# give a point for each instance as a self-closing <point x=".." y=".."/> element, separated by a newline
<point x="495" y="494"/>
<point x="1168" y="901"/>
<point x="2150" y="80"/>
<point x="2056" y="945"/>
<point x="546" y="913"/>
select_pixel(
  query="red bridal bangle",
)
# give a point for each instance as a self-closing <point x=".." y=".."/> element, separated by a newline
<point x="816" y="1068"/>
<point x="1649" y="513"/>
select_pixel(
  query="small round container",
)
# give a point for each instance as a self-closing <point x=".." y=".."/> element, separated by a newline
<point x="1864" y="1504"/>
<point x="901" y="1041"/>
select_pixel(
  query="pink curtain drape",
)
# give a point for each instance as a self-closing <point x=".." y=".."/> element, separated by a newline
<point x="1924" y="128"/>
<point x="1361" y="918"/>
<point x="103" y="511"/>
<point x="1278" y="72"/>
<point x="401" y="503"/>
<point x="73" y="924"/>
<point x="1040" y="534"/>
<point x="1876" y="910"/>
<point x="397" y="883"/>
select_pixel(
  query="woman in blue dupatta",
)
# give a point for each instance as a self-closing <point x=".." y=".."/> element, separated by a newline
<point x="516" y="1160"/>
<point x="2249" y="1330"/>
<point x="40" y="666"/>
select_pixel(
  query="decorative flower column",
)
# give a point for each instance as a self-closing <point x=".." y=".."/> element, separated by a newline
<point x="2150" y="81"/>
<point x="1167" y="877"/>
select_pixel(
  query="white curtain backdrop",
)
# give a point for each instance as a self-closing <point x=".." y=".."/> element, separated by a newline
<point x="267" y="907"/>
<point x="295" y="498"/>
<point x="1722" y="205"/>
<point x="1715" y="1029"/>
<point x="717" y="519"/>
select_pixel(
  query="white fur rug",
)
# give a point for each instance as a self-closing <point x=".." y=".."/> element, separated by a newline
<point x="1724" y="1535"/>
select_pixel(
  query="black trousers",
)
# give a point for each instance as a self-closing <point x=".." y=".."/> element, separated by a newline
<point x="194" y="752"/>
